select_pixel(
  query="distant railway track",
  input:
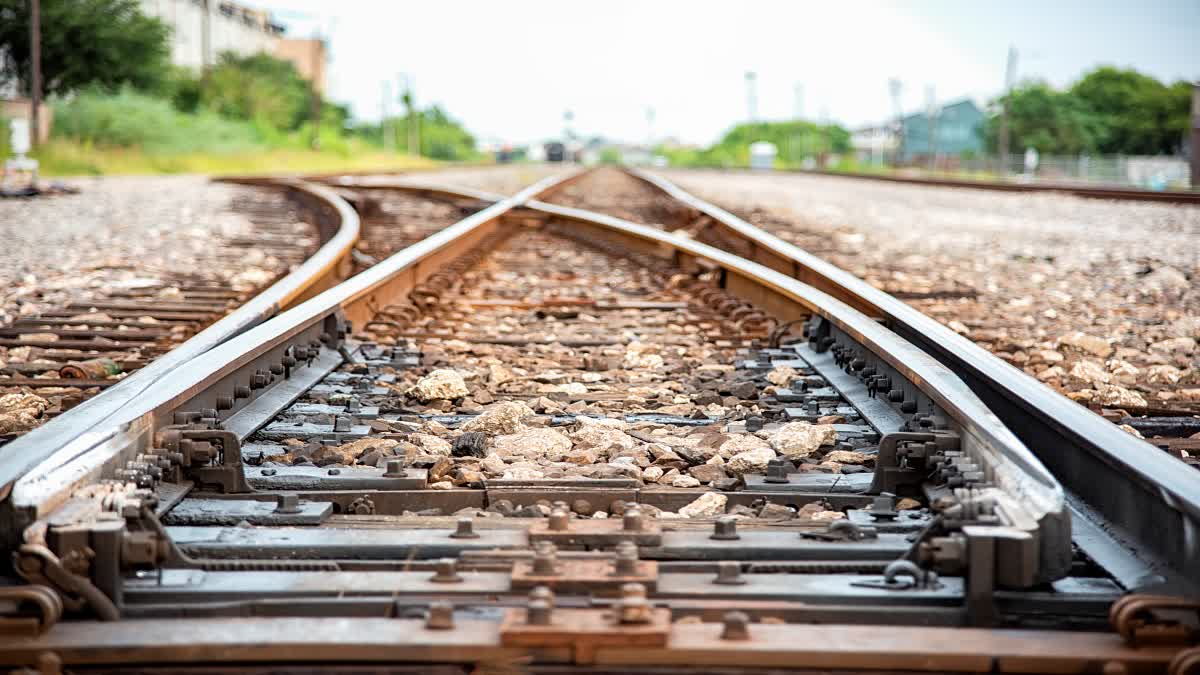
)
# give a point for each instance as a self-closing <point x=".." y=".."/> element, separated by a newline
<point x="327" y="487"/>
<point x="1076" y="189"/>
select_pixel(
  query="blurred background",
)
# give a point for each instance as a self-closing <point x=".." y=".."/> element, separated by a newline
<point x="1069" y="91"/>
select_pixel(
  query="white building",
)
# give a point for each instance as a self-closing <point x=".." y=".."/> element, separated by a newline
<point x="231" y="28"/>
<point x="873" y="144"/>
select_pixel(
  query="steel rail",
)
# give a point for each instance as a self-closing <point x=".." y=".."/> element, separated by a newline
<point x="1144" y="498"/>
<point x="1030" y="500"/>
<point x="339" y="229"/>
<point x="55" y="471"/>
<point x="1113" y="192"/>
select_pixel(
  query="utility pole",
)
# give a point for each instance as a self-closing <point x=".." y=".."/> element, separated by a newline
<point x="650" y="115"/>
<point x="35" y="84"/>
<point x="896" y="87"/>
<point x="1010" y="73"/>
<point x="317" y="65"/>
<point x="414" y="137"/>
<point x="752" y="95"/>
<point x="205" y="39"/>
<point x="798" y="101"/>
<point x="931" y="124"/>
<point x="1195" y="135"/>
<point x="387" y="126"/>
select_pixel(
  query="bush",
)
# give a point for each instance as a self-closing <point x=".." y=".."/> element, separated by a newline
<point x="130" y="119"/>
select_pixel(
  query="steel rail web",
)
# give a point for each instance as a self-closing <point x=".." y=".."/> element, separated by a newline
<point x="317" y="272"/>
<point x="1038" y="497"/>
<point x="1134" y="499"/>
<point x="58" y="470"/>
<point x="1148" y="500"/>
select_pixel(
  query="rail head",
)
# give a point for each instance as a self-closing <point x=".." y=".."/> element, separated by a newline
<point x="1137" y="489"/>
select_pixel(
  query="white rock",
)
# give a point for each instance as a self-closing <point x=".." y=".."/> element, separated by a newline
<point x="431" y="445"/>
<point x="1051" y="373"/>
<point x="751" y="461"/>
<point x="652" y="474"/>
<point x="522" y="473"/>
<point x="1183" y="345"/>
<point x="781" y="376"/>
<point x="1164" y="374"/>
<point x="576" y="388"/>
<point x="493" y="464"/>
<point x="1087" y="343"/>
<point x="848" y="457"/>
<point x="603" y="439"/>
<point x="442" y="383"/>
<point x="1130" y="430"/>
<point x="797" y="440"/>
<point x="685" y="482"/>
<point x="500" y="418"/>
<point x="536" y="444"/>
<point x="737" y="443"/>
<point x="707" y="505"/>
<point x="1090" y="372"/>
<point x="441" y="485"/>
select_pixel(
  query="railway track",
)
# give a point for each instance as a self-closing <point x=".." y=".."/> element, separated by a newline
<point x="554" y="439"/>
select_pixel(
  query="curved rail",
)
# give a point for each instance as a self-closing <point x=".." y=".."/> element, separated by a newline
<point x="1154" y="505"/>
<point x="339" y="228"/>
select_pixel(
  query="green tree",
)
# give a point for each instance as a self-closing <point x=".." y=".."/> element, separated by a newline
<point x="103" y="43"/>
<point x="261" y="87"/>
<point x="1051" y="121"/>
<point x="1140" y="115"/>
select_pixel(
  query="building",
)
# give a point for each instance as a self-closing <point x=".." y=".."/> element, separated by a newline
<point x="957" y="130"/>
<point x="874" y="144"/>
<point x="230" y="28"/>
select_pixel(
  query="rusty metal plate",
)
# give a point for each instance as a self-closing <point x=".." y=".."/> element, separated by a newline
<point x="596" y="533"/>
<point x="584" y="576"/>
<point x="585" y="630"/>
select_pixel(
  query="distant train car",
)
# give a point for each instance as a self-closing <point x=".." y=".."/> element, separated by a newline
<point x="555" y="152"/>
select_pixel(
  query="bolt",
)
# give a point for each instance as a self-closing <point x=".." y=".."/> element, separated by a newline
<point x="334" y="472"/>
<point x="342" y="425"/>
<point x="395" y="469"/>
<point x="632" y="520"/>
<point x="777" y="471"/>
<point x="541" y="605"/>
<point x="908" y="407"/>
<point x="269" y="472"/>
<point x="633" y="607"/>
<point x="545" y="559"/>
<point x="895" y="395"/>
<point x="224" y="403"/>
<point x="559" y="520"/>
<point x="465" y="529"/>
<point x="625" y="563"/>
<point x="737" y="626"/>
<point x="276" y="368"/>
<point x="729" y="573"/>
<point x="241" y="391"/>
<point x="883" y="507"/>
<point x="754" y="424"/>
<point x="289" y="362"/>
<point x="446" y="571"/>
<point x="441" y="616"/>
<point x="725" y="529"/>
<point x="812" y="407"/>
<point x="287" y="503"/>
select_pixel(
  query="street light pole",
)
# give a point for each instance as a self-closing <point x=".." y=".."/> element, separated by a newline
<point x="35" y="84"/>
<point x="1195" y="135"/>
<point x="1010" y="72"/>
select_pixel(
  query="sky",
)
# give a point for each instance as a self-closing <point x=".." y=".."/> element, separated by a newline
<point x="508" y="69"/>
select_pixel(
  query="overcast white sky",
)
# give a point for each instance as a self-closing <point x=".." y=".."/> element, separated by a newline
<point x="509" y="68"/>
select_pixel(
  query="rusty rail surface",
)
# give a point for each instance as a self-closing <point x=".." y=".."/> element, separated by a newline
<point x="338" y="228"/>
<point x="1002" y="542"/>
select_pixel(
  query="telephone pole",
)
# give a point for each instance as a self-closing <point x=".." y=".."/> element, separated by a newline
<point x="1195" y="135"/>
<point x="896" y="87"/>
<point x="387" y="127"/>
<point x="931" y="123"/>
<point x="35" y="84"/>
<point x="205" y="39"/>
<point x="1010" y="72"/>
<point x="752" y="95"/>
<point x="318" y="66"/>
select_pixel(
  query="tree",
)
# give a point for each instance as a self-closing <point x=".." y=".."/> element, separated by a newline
<point x="259" y="87"/>
<point x="105" y="43"/>
<point x="1141" y="116"/>
<point x="1051" y="121"/>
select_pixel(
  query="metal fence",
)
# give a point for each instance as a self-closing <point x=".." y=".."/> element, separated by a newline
<point x="1154" y="173"/>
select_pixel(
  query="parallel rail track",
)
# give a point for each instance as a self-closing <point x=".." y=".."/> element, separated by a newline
<point x="333" y="430"/>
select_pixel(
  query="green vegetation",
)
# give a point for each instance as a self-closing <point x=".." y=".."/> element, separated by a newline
<point x="1108" y="111"/>
<point x="795" y="140"/>
<point x="105" y="43"/>
<point x="120" y="107"/>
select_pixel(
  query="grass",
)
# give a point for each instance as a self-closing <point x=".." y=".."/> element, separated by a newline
<point x="63" y="158"/>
